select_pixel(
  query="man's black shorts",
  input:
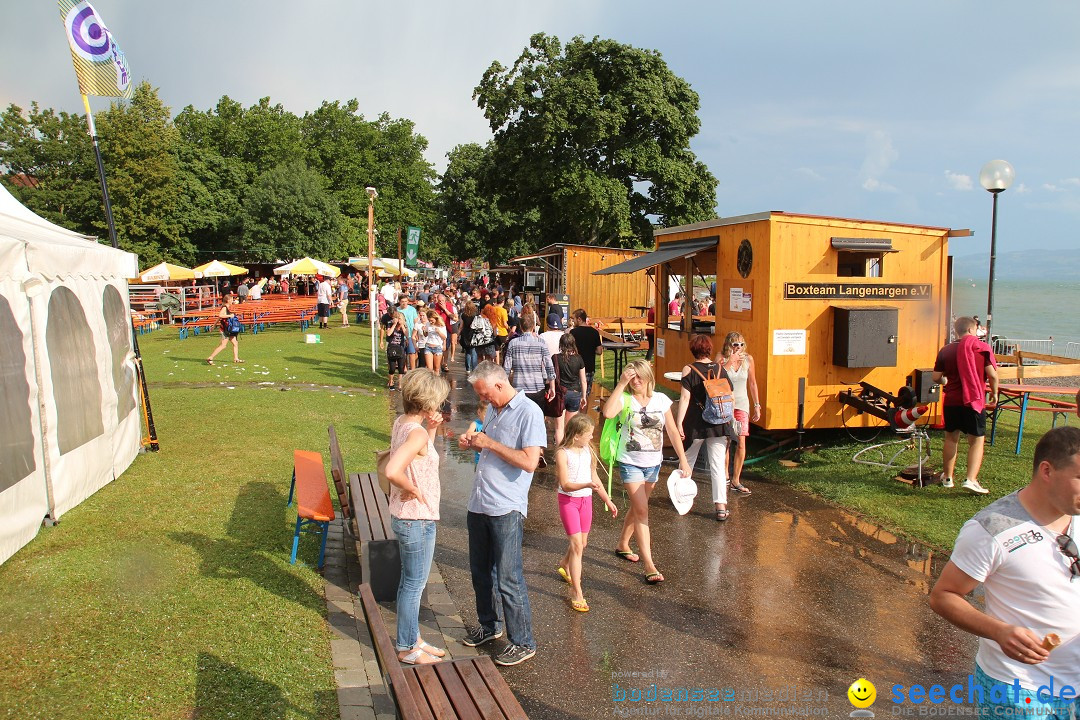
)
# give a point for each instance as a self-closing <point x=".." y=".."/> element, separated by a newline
<point x="323" y="310"/>
<point x="964" y="419"/>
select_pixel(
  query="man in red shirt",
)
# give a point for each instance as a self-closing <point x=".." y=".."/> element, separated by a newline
<point x="963" y="368"/>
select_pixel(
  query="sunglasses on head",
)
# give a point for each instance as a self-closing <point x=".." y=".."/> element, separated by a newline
<point x="1068" y="548"/>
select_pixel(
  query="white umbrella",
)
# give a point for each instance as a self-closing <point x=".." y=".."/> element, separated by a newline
<point x="307" y="266"/>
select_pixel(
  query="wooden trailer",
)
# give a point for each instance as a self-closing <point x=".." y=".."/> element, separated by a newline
<point x="568" y="270"/>
<point x="830" y="300"/>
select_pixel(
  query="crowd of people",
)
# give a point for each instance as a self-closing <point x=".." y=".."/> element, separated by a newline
<point x="527" y="361"/>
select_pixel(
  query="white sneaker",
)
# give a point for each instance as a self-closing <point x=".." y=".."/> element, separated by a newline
<point x="947" y="483"/>
<point x="975" y="487"/>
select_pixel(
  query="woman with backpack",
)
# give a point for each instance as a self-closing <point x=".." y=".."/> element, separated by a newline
<point x="640" y="454"/>
<point x="699" y="427"/>
<point x="740" y="368"/>
<point x="230" y="330"/>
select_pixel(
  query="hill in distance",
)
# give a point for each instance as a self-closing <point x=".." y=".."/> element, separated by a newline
<point x="1020" y="265"/>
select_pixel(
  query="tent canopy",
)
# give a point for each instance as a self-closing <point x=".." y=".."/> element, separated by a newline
<point x="68" y="423"/>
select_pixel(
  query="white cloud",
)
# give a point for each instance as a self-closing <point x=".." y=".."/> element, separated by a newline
<point x="880" y="154"/>
<point x="810" y="174"/>
<point x="1022" y="189"/>
<point x="875" y="185"/>
<point x="1071" y="181"/>
<point x="1052" y="187"/>
<point x="958" y="181"/>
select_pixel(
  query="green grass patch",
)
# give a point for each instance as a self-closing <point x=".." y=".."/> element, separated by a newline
<point x="169" y="593"/>
<point x="932" y="515"/>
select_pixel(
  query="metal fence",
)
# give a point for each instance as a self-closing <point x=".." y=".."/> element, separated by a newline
<point x="1008" y="346"/>
<point x="1072" y="350"/>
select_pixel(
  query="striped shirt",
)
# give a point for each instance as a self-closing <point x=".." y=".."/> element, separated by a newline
<point x="528" y="360"/>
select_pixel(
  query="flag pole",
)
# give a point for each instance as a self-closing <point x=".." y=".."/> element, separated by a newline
<point x="101" y="171"/>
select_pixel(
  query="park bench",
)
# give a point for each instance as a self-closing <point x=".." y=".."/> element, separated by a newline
<point x="369" y="508"/>
<point x="468" y="687"/>
<point x="314" y="510"/>
<point x="341" y="481"/>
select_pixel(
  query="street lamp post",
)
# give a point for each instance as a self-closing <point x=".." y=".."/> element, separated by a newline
<point x="996" y="176"/>
<point x="372" y="305"/>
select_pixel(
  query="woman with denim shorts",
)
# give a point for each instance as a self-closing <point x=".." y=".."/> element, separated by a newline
<point x="413" y="470"/>
<point x="570" y="369"/>
<point x="640" y="454"/>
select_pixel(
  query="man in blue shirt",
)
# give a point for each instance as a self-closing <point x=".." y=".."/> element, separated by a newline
<point x="510" y="445"/>
<point x="406" y="309"/>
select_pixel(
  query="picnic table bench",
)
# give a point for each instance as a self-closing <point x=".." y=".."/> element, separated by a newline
<point x="369" y="510"/>
<point x="313" y="505"/>
<point x="468" y="687"/>
<point x="1020" y="398"/>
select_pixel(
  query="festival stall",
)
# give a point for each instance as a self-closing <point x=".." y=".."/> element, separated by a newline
<point x="566" y="270"/>
<point x="68" y="423"/>
<point x="824" y="304"/>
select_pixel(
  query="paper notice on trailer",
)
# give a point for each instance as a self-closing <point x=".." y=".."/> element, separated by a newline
<point x="789" y="342"/>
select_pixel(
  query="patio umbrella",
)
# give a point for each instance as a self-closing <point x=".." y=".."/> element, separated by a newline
<point x="391" y="266"/>
<point x="307" y="266"/>
<point x="217" y="268"/>
<point x="164" y="272"/>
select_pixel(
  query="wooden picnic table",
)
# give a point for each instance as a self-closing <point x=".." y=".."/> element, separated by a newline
<point x="1021" y="397"/>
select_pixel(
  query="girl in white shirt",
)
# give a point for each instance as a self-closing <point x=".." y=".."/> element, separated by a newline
<point x="575" y="470"/>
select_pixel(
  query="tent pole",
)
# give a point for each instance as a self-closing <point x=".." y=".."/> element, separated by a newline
<point x="144" y="391"/>
<point x="101" y="171"/>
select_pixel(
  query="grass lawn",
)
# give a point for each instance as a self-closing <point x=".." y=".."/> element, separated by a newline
<point x="169" y="593"/>
<point x="930" y="515"/>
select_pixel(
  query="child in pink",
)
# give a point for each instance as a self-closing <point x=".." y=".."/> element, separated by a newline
<point x="575" y="469"/>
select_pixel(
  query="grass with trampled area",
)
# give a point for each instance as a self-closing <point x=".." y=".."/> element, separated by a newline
<point x="169" y="593"/>
<point x="931" y="515"/>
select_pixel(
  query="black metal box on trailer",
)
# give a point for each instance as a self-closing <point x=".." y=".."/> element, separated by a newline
<point x="864" y="336"/>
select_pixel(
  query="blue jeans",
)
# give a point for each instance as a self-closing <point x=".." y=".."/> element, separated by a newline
<point x="416" y="543"/>
<point x="496" y="565"/>
<point x="470" y="359"/>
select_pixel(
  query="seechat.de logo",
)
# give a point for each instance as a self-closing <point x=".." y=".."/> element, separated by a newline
<point x="862" y="695"/>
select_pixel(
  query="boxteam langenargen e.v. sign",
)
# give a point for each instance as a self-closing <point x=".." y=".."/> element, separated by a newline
<point x="857" y="291"/>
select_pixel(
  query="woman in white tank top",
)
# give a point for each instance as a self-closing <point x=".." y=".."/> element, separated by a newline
<point x="740" y="368"/>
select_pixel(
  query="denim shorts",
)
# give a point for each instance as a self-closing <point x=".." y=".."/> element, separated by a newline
<point x="635" y="474"/>
<point x="573" y="401"/>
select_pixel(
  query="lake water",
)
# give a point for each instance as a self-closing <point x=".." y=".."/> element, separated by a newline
<point x="1024" y="309"/>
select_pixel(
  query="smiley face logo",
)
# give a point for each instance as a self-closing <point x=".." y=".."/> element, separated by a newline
<point x="862" y="693"/>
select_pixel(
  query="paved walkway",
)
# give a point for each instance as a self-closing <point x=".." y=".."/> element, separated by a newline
<point x="775" y="612"/>
<point x="362" y="694"/>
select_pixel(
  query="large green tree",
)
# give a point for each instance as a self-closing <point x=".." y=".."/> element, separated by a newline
<point x="595" y="138"/>
<point x="470" y="217"/>
<point x="289" y="214"/>
<point x="140" y="145"/>
<point x="49" y="165"/>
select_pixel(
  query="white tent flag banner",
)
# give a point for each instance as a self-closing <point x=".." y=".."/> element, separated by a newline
<point x="69" y="422"/>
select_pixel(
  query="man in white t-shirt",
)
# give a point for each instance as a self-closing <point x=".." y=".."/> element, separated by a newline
<point x="389" y="291"/>
<point x="552" y="337"/>
<point x="325" y="295"/>
<point x="1023" y="549"/>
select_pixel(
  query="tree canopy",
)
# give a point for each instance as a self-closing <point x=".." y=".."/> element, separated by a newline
<point x="245" y="184"/>
<point x="594" y="138"/>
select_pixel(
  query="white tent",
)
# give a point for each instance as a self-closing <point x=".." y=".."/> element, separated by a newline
<point x="69" y="422"/>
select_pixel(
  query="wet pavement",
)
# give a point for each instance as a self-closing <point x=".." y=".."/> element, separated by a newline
<point x="774" y="612"/>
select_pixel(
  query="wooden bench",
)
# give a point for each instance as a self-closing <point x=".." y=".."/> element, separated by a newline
<point x="380" y="559"/>
<point x="341" y="481"/>
<point x="463" y="688"/>
<point x="313" y="506"/>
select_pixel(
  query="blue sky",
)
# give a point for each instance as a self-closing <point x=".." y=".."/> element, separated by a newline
<point x="870" y="110"/>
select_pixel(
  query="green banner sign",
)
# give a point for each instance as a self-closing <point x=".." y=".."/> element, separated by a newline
<point x="412" y="245"/>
